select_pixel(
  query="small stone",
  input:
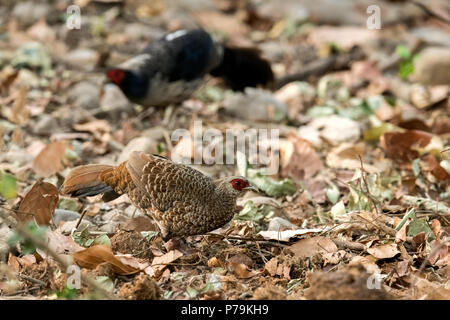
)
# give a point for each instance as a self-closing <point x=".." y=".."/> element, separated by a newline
<point x="279" y="224"/>
<point x="85" y="95"/>
<point x="257" y="105"/>
<point x="432" y="66"/>
<point x="5" y="234"/>
<point x="29" y="12"/>
<point x="46" y="125"/>
<point x="83" y="58"/>
<point x="113" y="99"/>
<point x="61" y="215"/>
<point x="144" y="144"/>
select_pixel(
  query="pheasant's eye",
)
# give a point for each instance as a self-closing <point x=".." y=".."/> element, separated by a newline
<point x="115" y="75"/>
<point x="239" y="184"/>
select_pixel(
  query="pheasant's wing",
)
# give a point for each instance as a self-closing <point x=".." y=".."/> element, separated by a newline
<point x="167" y="185"/>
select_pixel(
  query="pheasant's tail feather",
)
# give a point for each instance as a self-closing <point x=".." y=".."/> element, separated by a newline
<point x="85" y="181"/>
<point x="244" y="67"/>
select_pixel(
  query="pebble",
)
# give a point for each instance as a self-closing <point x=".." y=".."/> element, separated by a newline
<point x="85" y="95"/>
<point x="432" y="66"/>
<point x="144" y="144"/>
<point x="257" y="105"/>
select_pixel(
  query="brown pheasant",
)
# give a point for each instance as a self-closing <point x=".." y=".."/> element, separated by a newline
<point x="182" y="201"/>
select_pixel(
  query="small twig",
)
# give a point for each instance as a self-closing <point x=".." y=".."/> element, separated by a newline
<point x="323" y="66"/>
<point x="81" y="218"/>
<point x="367" y="191"/>
<point x="349" y="245"/>
<point x="31" y="279"/>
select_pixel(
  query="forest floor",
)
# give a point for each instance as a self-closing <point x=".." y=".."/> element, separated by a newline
<point x="358" y="207"/>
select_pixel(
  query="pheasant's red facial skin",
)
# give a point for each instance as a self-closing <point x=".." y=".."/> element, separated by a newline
<point x="239" y="184"/>
<point x="116" y="76"/>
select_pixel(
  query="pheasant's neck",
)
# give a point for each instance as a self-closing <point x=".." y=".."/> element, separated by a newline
<point x="224" y="203"/>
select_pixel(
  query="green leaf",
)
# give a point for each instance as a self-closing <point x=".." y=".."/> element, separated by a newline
<point x="403" y="52"/>
<point x="8" y="186"/>
<point x="270" y="186"/>
<point x="83" y="238"/>
<point x="102" y="239"/>
<point x="251" y="212"/>
<point x="67" y="293"/>
<point x="105" y="282"/>
<point x="149" y="235"/>
<point x="26" y="246"/>
<point x="417" y="226"/>
<point x="416" y="167"/>
<point x="191" y="293"/>
<point x="332" y="194"/>
<point x="405" y="69"/>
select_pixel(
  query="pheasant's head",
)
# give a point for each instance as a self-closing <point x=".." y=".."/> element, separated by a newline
<point x="234" y="185"/>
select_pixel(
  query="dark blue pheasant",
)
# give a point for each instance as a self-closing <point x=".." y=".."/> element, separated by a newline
<point x="170" y="69"/>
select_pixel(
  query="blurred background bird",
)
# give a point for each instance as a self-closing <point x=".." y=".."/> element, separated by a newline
<point x="171" y="68"/>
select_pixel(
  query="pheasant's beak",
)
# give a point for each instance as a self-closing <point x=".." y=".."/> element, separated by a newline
<point x="253" y="188"/>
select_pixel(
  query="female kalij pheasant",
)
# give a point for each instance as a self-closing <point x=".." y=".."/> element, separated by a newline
<point x="182" y="201"/>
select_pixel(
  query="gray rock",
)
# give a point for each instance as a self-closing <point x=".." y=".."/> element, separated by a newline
<point x="279" y="224"/>
<point x="85" y="95"/>
<point x="83" y="58"/>
<point x="432" y="66"/>
<point x="45" y="125"/>
<point x="256" y="104"/>
<point x="113" y="99"/>
<point x="144" y="144"/>
<point x="5" y="234"/>
<point x="67" y="227"/>
<point x="29" y="12"/>
<point x="64" y="215"/>
<point x="432" y="35"/>
<point x="19" y="157"/>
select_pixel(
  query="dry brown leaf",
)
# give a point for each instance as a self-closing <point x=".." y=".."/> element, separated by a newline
<point x="242" y="271"/>
<point x="433" y="166"/>
<point x="299" y="160"/>
<point x="93" y="126"/>
<point x="310" y="247"/>
<point x="274" y="268"/>
<point x="346" y="155"/>
<point x="59" y="243"/>
<point x="17" y="262"/>
<point x="367" y="262"/>
<point x="241" y="258"/>
<point x="93" y="256"/>
<point x="39" y="203"/>
<point x="214" y="262"/>
<point x="49" y="160"/>
<point x="19" y="112"/>
<point x="398" y="145"/>
<point x="402" y="268"/>
<point x="133" y="262"/>
<point x="334" y="257"/>
<point x="271" y="267"/>
<point x="160" y="263"/>
<point x="384" y="251"/>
